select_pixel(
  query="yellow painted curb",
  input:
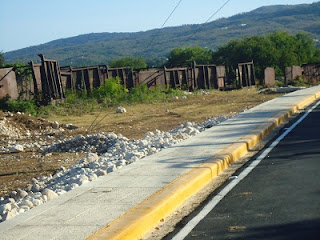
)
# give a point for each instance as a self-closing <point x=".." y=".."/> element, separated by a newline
<point x="145" y="216"/>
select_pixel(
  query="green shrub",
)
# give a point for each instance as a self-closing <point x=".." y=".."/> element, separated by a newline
<point x="4" y="103"/>
<point x="173" y="92"/>
<point x="71" y="97"/>
<point x="141" y="93"/>
<point x="111" y="93"/>
<point x="299" y="81"/>
<point x="26" y="106"/>
<point x="279" y="83"/>
<point x="112" y="89"/>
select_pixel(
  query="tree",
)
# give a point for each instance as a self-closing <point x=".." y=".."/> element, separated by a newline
<point x="305" y="48"/>
<point x="257" y="48"/>
<point x="1" y="60"/>
<point x="156" y="62"/>
<point x="131" y="62"/>
<point x="182" y="57"/>
<point x="278" y="50"/>
<point x="316" y="56"/>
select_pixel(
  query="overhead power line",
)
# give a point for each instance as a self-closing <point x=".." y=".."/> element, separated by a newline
<point x="171" y="14"/>
<point x="156" y="34"/>
<point x="93" y="124"/>
<point x="216" y="12"/>
<point x="202" y="24"/>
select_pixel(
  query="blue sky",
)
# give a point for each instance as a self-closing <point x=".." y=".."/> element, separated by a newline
<point x="28" y="23"/>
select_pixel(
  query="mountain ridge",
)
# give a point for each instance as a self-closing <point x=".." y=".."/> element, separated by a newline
<point x="101" y="48"/>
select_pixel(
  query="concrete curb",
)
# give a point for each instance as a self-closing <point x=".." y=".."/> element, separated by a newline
<point x="145" y="216"/>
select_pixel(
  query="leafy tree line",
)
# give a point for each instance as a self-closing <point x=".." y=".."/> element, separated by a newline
<point x="180" y="57"/>
<point x="131" y="62"/>
<point x="277" y="50"/>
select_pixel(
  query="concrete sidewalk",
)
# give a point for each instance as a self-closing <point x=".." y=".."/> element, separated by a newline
<point x="83" y="211"/>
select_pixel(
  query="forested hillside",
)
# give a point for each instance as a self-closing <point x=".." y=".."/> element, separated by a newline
<point x="102" y="48"/>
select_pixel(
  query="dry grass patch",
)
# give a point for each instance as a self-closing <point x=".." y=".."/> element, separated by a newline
<point x="164" y="116"/>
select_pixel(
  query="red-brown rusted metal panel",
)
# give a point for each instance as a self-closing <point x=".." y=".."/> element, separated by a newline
<point x="269" y="77"/>
<point x="36" y="75"/>
<point x="311" y="72"/>
<point x="221" y="76"/>
<point x="8" y="83"/>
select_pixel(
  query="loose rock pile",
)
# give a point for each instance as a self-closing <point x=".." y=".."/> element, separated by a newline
<point x="106" y="152"/>
<point x="7" y="130"/>
<point x="121" y="110"/>
<point x="17" y="129"/>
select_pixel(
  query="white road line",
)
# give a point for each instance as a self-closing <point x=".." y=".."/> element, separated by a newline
<point x="216" y="199"/>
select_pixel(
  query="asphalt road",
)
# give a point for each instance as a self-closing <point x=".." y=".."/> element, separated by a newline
<point x="279" y="199"/>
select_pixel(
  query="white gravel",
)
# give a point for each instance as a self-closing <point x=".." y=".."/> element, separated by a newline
<point x="106" y="152"/>
<point x="7" y="130"/>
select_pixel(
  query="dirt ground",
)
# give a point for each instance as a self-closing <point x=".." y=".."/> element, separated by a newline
<point x="17" y="169"/>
